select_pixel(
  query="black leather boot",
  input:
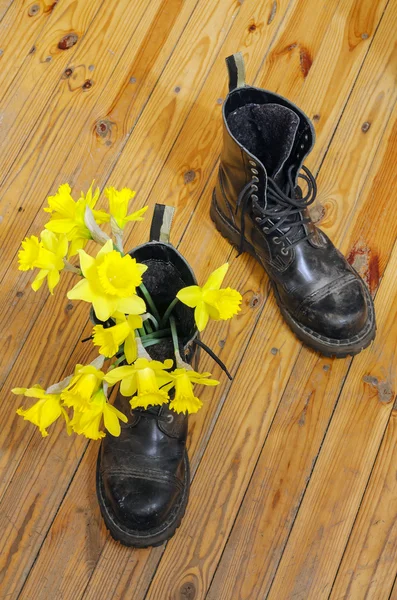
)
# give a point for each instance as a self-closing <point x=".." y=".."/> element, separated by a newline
<point x="259" y="207"/>
<point x="143" y="475"/>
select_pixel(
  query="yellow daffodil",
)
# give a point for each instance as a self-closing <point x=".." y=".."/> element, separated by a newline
<point x="118" y="206"/>
<point x="110" y="282"/>
<point x="109" y="339"/>
<point x="29" y="253"/>
<point x="184" y="399"/>
<point x="50" y="260"/>
<point x="88" y="421"/>
<point x="144" y="378"/>
<point x="85" y="382"/>
<point x="45" y="411"/>
<point x="67" y="216"/>
<point x="211" y="301"/>
<point x="46" y="254"/>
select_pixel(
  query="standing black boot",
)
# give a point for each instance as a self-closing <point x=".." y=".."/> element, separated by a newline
<point x="259" y="207"/>
<point x="143" y="475"/>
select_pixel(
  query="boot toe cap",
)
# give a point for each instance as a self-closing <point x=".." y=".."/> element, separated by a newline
<point x="340" y="313"/>
<point x="139" y="503"/>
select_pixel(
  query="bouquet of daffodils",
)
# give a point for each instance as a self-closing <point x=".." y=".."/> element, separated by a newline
<point x="112" y="283"/>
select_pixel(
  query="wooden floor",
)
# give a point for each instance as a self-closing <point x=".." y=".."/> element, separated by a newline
<point x="294" y="489"/>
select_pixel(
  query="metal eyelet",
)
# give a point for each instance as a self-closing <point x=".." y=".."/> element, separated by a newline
<point x="306" y="137"/>
<point x="303" y="146"/>
<point x="284" y="251"/>
<point x="170" y="418"/>
<point x="258" y="219"/>
<point x="255" y="188"/>
<point x="254" y="171"/>
<point x="276" y="240"/>
<point x="266" y="230"/>
<point x="255" y="179"/>
<point x="254" y="197"/>
<point x="251" y="162"/>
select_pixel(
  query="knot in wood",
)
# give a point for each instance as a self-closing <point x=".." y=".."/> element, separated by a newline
<point x="68" y="41"/>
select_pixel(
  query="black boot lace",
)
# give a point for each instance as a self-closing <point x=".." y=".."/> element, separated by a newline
<point x="283" y="205"/>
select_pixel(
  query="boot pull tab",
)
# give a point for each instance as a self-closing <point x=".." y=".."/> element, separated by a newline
<point x="236" y="70"/>
<point x="161" y="223"/>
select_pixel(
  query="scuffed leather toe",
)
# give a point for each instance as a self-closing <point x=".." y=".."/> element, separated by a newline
<point x="338" y="312"/>
<point x="141" y="504"/>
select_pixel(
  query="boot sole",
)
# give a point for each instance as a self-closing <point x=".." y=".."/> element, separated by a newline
<point x="326" y="346"/>
<point x="139" y="539"/>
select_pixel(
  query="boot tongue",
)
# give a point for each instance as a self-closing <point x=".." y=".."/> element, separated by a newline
<point x="277" y="126"/>
<point x="268" y="132"/>
<point x="276" y="130"/>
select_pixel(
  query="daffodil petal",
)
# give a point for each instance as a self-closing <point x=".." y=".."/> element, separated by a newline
<point x="190" y="295"/>
<point x="128" y="386"/>
<point x="104" y="306"/>
<point x="119" y="373"/>
<point x="86" y="262"/>
<point x="111" y="422"/>
<point x="39" y="280"/>
<point x="201" y="316"/>
<point x="53" y="280"/>
<point x="133" y="305"/>
<point x="214" y="281"/>
<point x="81" y="291"/>
<point x="130" y="348"/>
<point x="106" y="248"/>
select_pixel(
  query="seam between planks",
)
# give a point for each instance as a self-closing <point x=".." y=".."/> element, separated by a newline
<point x="6" y="11"/>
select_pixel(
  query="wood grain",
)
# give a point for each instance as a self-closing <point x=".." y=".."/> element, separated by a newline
<point x="151" y="119"/>
<point x="28" y="22"/>
<point x="368" y="568"/>
<point x="267" y="514"/>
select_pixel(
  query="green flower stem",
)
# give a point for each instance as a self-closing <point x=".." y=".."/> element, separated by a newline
<point x="169" y="311"/>
<point x="147" y="326"/>
<point x="117" y="362"/>
<point x="150" y="302"/>
<point x="152" y="319"/>
<point x="175" y="341"/>
<point x="142" y="332"/>
<point x="156" y="335"/>
<point x="152" y="342"/>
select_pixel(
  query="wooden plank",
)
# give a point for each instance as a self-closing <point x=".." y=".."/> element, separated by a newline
<point x="46" y="359"/>
<point x="119" y="105"/>
<point x="180" y="569"/>
<point x="291" y="449"/>
<point x="19" y="28"/>
<point x="368" y="568"/>
<point x="9" y="495"/>
<point x="267" y="514"/>
<point x="330" y="52"/>
<point x="40" y="74"/>
<point x="321" y="529"/>
<point x="47" y="552"/>
<point x="210" y="231"/>
<point x="68" y="108"/>
<point x="38" y="484"/>
<point x="63" y="288"/>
